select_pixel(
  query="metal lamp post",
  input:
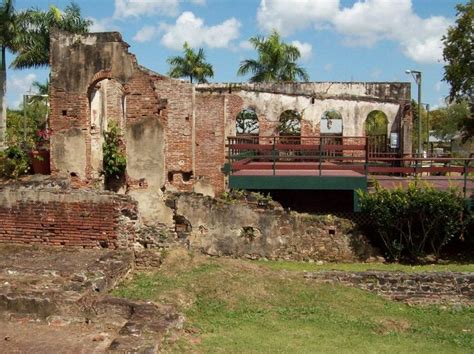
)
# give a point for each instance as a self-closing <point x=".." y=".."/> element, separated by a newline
<point x="417" y="76"/>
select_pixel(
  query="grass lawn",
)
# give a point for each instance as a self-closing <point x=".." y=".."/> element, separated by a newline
<point x="360" y="267"/>
<point x="235" y="306"/>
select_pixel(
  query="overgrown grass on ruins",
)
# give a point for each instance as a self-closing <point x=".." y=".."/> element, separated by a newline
<point x="240" y="306"/>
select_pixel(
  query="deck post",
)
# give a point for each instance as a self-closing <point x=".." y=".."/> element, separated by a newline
<point x="320" y="153"/>
<point x="274" y="154"/>
<point x="228" y="155"/>
<point x="416" y="171"/>
<point x="466" y="165"/>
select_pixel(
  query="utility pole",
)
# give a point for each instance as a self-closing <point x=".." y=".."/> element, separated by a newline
<point x="417" y="76"/>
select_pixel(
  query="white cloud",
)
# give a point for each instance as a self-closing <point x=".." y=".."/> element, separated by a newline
<point x="376" y="72"/>
<point x="102" y="25"/>
<point x="328" y="67"/>
<point x="137" y="8"/>
<point x="191" y="29"/>
<point x="22" y="82"/>
<point x="368" y="22"/>
<point x="246" y="45"/>
<point x="18" y="85"/>
<point x="438" y="86"/>
<point x="363" y="24"/>
<point x="146" y="33"/>
<point x="287" y="16"/>
<point x="304" y="48"/>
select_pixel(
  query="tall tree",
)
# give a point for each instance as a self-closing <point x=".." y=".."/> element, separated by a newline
<point x="191" y="65"/>
<point x="458" y="53"/>
<point x="26" y="35"/>
<point x="276" y="61"/>
<point x="7" y="34"/>
<point x="447" y="121"/>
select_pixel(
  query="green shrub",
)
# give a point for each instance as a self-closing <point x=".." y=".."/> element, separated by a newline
<point x="14" y="162"/>
<point x="416" y="221"/>
<point x="114" y="158"/>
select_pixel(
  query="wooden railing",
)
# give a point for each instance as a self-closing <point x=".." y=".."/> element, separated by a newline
<point x="322" y="153"/>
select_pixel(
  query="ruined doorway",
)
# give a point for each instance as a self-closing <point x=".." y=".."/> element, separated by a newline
<point x="106" y="104"/>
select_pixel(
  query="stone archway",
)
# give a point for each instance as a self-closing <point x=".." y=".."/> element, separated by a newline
<point x="331" y="123"/>
<point x="247" y="123"/>
<point x="376" y="130"/>
<point x="106" y="104"/>
<point x="289" y="127"/>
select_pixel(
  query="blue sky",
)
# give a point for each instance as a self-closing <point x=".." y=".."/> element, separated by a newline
<point x="340" y="40"/>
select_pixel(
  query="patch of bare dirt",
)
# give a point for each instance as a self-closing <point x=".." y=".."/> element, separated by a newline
<point x="54" y="300"/>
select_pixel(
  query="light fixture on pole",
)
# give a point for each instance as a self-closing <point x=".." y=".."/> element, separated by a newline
<point x="417" y="76"/>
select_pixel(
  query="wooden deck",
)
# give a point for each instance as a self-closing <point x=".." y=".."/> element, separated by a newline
<point x="345" y="159"/>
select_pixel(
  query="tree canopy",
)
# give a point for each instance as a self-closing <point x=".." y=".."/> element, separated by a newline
<point x="26" y="35"/>
<point x="276" y="61"/>
<point x="34" y="27"/>
<point x="191" y="65"/>
<point x="459" y="56"/>
<point x="446" y="122"/>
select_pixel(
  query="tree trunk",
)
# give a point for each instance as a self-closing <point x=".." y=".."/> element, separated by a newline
<point x="3" y="99"/>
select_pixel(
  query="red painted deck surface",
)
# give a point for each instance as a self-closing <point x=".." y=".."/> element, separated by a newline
<point x="253" y="168"/>
<point x="325" y="173"/>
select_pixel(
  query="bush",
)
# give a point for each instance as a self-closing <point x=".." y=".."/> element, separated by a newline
<point x="114" y="158"/>
<point x="14" y="162"/>
<point x="414" y="222"/>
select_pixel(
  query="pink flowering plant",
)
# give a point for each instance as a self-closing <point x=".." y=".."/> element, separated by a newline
<point x="42" y="137"/>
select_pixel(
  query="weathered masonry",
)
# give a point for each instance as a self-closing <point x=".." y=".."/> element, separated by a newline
<point x="175" y="133"/>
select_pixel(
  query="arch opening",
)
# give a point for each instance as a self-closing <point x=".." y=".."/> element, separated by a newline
<point x="376" y="130"/>
<point x="106" y="104"/>
<point x="247" y="122"/>
<point x="289" y="127"/>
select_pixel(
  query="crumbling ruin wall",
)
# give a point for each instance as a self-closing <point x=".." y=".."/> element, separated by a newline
<point x="238" y="229"/>
<point x="54" y="214"/>
<point x="94" y="80"/>
<point x="425" y="288"/>
<point x="353" y="100"/>
<point x="218" y="105"/>
<point x="184" y="127"/>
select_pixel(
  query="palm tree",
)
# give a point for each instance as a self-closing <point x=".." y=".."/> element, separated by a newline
<point x="26" y="34"/>
<point x="7" y="33"/>
<point x="192" y="65"/>
<point x="276" y="61"/>
<point x="34" y="30"/>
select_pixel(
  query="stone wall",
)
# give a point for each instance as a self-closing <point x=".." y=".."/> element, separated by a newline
<point x="54" y="214"/>
<point x="416" y="288"/>
<point x="238" y="229"/>
<point x="94" y="79"/>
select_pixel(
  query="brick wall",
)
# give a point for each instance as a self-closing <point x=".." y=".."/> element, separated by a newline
<point x="64" y="217"/>
<point x="177" y="98"/>
<point x="210" y="138"/>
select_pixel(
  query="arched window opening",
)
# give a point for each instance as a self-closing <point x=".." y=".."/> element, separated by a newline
<point x="289" y="127"/>
<point x="331" y="123"/>
<point x="331" y="129"/>
<point x="247" y="122"/>
<point x="376" y="129"/>
<point x="106" y="104"/>
<point x="376" y="123"/>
